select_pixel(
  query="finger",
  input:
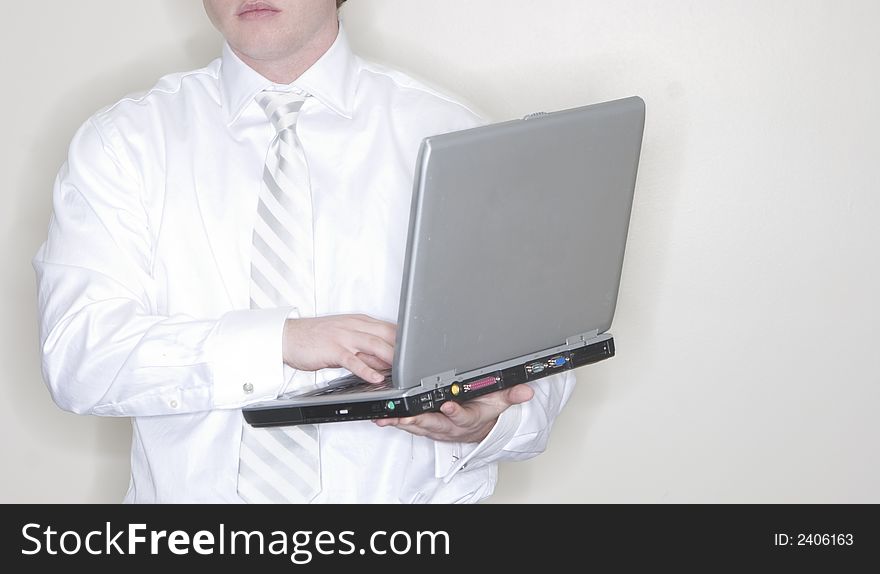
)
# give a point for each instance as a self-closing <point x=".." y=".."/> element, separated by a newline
<point x="372" y="345"/>
<point x="413" y="429"/>
<point x="519" y="394"/>
<point x="382" y="329"/>
<point x="360" y="368"/>
<point x="487" y="407"/>
<point x="419" y="429"/>
<point x="373" y="362"/>
<point x="389" y="422"/>
<point x="501" y="400"/>
<point x="465" y="415"/>
<point x="428" y="423"/>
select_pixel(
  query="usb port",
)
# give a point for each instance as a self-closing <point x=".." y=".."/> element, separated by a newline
<point x="439" y="394"/>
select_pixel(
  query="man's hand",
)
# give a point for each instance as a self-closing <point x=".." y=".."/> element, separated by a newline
<point x="359" y="343"/>
<point x="469" y="421"/>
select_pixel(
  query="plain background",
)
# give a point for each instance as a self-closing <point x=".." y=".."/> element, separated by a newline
<point x="747" y="324"/>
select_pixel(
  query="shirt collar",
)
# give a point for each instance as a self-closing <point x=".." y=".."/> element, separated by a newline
<point x="331" y="80"/>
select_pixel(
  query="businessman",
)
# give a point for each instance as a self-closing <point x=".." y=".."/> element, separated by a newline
<point x="239" y="231"/>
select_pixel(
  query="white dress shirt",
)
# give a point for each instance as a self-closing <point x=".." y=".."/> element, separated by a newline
<point x="143" y="281"/>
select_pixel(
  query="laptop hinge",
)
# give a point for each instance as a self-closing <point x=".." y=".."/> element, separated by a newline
<point x="582" y="338"/>
<point x="441" y="380"/>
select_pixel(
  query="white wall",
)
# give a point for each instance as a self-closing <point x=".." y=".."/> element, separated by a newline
<point x="747" y="324"/>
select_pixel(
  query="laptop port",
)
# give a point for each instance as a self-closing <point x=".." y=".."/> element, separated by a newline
<point x="556" y="362"/>
<point x="480" y="384"/>
<point x="535" y="368"/>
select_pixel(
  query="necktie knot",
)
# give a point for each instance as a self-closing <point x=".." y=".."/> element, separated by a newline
<point x="282" y="108"/>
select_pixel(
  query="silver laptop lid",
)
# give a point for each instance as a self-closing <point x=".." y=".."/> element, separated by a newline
<point x="516" y="238"/>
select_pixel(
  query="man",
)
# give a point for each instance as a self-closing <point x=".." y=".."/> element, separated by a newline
<point x="237" y="231"/>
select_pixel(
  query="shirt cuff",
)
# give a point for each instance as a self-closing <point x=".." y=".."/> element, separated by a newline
<point x="247" y="360"/>
<point x="452" y="457"/>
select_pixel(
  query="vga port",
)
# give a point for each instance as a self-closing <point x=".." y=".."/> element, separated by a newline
<point x="556" y="362"/>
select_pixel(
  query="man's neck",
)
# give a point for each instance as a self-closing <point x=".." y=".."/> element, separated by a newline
<point x="287" y="69"/>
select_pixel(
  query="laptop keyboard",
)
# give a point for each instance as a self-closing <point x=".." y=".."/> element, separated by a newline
<point x="346" y="385"/>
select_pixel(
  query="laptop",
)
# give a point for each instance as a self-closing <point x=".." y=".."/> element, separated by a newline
<point x="513" y="262"/>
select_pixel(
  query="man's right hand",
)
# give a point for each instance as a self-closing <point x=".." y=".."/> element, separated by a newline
<point x="359" y="343"/>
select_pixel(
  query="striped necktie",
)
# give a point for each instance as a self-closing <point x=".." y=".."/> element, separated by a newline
<point x="282" y="464"/>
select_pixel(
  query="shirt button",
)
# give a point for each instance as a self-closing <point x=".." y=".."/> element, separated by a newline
<point x="173" y="404"/>
<point x="247" y="388"/>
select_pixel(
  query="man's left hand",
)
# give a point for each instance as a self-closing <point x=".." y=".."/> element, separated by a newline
<point x="470" y="421"/>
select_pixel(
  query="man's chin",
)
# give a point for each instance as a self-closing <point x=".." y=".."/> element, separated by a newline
<point x="260" y="51"/>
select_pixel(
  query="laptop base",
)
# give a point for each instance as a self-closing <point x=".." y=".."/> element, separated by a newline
<point x="423" y="401"/>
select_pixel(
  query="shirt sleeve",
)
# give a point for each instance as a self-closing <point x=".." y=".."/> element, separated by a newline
<point x="105" y="350"/>
<point x="521" y="432"/>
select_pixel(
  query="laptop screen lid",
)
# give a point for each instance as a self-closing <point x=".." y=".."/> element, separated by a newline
<point x="517" y="237"/>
